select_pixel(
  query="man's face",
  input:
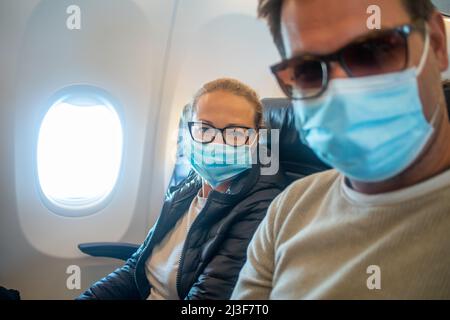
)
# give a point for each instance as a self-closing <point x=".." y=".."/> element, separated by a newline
<point x="323" y="26"/>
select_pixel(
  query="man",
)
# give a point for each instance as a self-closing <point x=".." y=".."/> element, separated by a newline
<point x="369" y="103"/>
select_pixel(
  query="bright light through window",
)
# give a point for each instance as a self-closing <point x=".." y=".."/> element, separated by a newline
<point x="79" y="153"/>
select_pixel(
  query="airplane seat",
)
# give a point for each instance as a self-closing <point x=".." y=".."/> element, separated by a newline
<point x="446" y="86"/>
<point x="116" y="250"/>
<point x="296" y="159"/>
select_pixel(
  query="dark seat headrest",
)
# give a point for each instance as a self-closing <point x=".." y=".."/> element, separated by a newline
<point x="446" y="86"/>
<point x="296" y="158"/>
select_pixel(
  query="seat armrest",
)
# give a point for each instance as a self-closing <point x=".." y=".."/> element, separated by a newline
<point x="9" y="294"/>
<point x="116" y="250"/>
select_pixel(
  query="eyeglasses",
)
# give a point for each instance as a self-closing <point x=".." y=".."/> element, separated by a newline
<point x="379" y="52"/>
<point x="233" y="135"/>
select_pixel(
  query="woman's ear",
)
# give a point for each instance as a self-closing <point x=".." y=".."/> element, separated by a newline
<point x="438" y="37"/>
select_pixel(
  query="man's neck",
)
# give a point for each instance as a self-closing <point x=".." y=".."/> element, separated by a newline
<point x="434" y="160"/>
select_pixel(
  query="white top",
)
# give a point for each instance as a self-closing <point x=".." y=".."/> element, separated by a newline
<point x="161" y="267"/>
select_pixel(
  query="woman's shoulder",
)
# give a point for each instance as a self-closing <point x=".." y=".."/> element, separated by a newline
<point x="264" y="190"/>
<point x="192" y="180"/>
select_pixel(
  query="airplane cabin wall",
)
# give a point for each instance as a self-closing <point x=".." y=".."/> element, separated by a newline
<point x="150" y="56"/>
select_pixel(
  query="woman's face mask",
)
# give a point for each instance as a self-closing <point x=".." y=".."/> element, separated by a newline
<point x="217" y="163"/>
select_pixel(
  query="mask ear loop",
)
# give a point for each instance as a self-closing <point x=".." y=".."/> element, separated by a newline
<point x="420" y="68"/>
<point x="435" y="115"/>
<point x="253" y="148"/>
<point x="255" y="140"/>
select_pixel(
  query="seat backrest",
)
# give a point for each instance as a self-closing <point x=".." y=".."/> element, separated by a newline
<point x="446" y="86"/>
<point x="296" y="158"/>
<point x="182" y="166"/>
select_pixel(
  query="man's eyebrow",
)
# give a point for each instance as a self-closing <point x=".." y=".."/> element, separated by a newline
<point x="362" y="36"/>
<point x="302" y="53"/>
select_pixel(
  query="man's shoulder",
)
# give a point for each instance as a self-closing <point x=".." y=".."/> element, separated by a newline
<point x="303" y="194"/>
<point x="319" y="182"/>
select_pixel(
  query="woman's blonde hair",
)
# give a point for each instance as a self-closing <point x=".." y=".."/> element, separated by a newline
<point x="235" y="87"/>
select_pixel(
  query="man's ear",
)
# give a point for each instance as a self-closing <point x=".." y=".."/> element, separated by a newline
<point x="438" y="37"/>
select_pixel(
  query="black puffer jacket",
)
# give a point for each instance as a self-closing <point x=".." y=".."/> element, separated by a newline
<point x="216" y="245"/>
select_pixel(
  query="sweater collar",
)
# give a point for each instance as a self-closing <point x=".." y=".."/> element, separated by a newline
<point x="421" y="189"/>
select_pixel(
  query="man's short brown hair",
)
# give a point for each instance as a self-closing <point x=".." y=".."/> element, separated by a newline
<point x="271" y="11"/>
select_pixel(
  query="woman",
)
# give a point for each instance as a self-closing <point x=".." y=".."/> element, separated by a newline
<point x="198" y="245"/>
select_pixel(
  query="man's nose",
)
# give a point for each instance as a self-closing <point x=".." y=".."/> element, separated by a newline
<point x="337" y="71"/>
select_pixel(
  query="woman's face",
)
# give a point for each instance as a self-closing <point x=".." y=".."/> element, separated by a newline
<point x="222" y="109"/>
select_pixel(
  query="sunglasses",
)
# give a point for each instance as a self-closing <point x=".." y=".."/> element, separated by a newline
<point x="379" y="52"/>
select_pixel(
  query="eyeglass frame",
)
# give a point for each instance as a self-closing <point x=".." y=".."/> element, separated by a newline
<point x="405" y="30"/>
<point x="191" y="123"/>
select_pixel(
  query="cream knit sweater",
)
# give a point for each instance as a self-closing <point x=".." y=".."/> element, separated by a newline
<point x="322" y="240"/>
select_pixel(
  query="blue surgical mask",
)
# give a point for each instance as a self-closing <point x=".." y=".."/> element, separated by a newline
<point x="368" y="128"/>
<point x="217" y="163"/>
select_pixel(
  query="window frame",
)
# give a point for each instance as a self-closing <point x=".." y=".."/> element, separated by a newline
<point x="88" y="207"/>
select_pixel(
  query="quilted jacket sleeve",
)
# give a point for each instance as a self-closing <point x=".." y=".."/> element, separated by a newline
<point x="120" y="284"/>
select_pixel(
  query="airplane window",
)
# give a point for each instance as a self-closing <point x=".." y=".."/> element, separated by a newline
<point x="79" y="154"/>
